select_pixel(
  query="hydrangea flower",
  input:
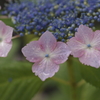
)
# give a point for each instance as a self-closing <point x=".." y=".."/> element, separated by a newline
<point x="47" y="54"/>
<point x="5" y="39"/>
<point x="86" y="46"/>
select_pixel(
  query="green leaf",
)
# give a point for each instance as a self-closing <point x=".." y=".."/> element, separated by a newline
<point x="91" y="75"/>
<point x="7" y="21"/>
<point x="76" y="68"/>
<point x="29" y="38"/>
<point x="15" y="48"/>
<point x="18" y="81"/>
<point x="90" y="92"/>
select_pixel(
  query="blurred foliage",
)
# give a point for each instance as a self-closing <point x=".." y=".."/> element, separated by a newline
<point x="17" y="81"/>
<point x="91" y="75"/>
<point x="84" y="92"/>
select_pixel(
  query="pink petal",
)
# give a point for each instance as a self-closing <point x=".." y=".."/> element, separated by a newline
<point x="96" y="40"/>
<point x="32" y="51"/>
<point x="45" y="69"/>
<point x="5" y="48"/>
<point x="61" y="53"/>
<point x="84" y="34"/>
<point x="77" y="48"/>
<point x="5" y="32"/>
<point x="91" y="57"/>
<point x="47" y="41"/>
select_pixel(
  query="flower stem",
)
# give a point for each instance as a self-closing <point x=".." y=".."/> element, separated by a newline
<point x="60" y="80"/>
<point x="73" y="83"/>
<point x="15" y="36"/>
<point x="3" y="17"/>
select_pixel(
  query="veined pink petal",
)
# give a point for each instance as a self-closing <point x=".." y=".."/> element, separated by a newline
<point x="47" y="41"/>
<point x="45" y="69"/>
<point x="8" y="33"/>
<point x="96" y="40"/>
<point x="32" y="51"/>
<point x="5" y="32"/>
<point x="77" y="48"/>
<point x="84" y="34"/>
<point x="61" y="53"/>
<point x="5" y="48"/>
<point x="91" y="57"/>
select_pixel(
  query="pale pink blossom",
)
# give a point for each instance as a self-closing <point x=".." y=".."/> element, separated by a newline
<point x="47" y="54"/>
<point x="86" y="46"/>
<point x="5" y="39"/>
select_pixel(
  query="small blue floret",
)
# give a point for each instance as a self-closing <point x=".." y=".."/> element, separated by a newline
<point x="89" y="46"/>
<point x="47" y="55"/>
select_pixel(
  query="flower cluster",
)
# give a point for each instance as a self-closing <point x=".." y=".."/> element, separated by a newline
<point x="60" y="17"/>
<point x="55" y="21"/>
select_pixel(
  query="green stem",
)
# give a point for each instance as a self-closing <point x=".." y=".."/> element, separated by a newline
<point x="60" y="81"/>
<point x="73" y="83"/>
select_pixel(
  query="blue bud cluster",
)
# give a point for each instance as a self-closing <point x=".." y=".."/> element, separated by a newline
<point x="61" y="17"/>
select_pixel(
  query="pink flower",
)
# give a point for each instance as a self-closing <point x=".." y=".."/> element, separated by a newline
<point x="86" y="46"/>
<point x="5" y="39"/>
<point x="47" y="54"/>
